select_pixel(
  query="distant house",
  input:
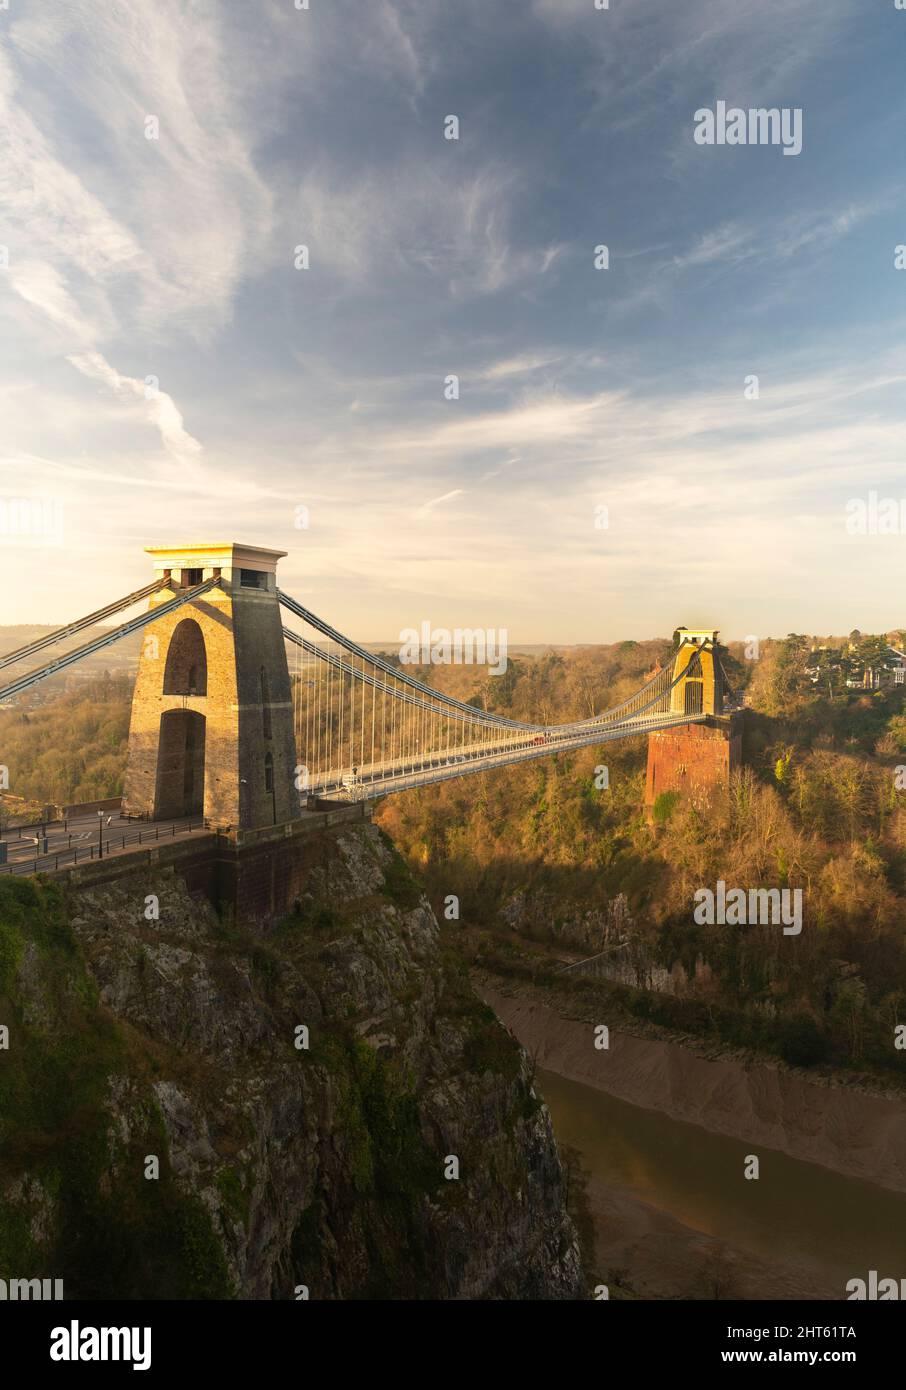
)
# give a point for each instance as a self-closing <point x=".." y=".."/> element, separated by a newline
<point x="881" y="675"/>
<point x="896" y="665"/>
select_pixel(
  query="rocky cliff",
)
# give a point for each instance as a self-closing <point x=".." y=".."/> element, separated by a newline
<point x="307" y="1094"/>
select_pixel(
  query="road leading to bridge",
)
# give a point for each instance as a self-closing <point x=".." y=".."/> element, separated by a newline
<point x="79" y="840"/>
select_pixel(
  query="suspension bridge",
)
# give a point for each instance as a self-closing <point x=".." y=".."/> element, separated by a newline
<point x="248" y="707"/>
<point x="368" y="728"/>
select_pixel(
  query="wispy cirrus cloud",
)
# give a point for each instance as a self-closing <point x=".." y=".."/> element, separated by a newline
<point x="159" y="407"/>
<point x="814" y="231"/>
<point x="439" y="501"/>
<point x="423" y="219"/>
<point x="166" y="220"/>
<point x="737" y="51"/>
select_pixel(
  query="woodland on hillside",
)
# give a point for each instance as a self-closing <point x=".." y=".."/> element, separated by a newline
<point x="817" y="807"/>
<point x="70" y="748"/>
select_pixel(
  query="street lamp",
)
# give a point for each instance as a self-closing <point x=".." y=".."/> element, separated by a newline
<point x="100" y="834"/>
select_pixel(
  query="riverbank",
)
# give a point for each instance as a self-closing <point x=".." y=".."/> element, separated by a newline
<point x="644" y="1252"/>
<point x="664" y="1259"/>
<point x="843" y="1128"/>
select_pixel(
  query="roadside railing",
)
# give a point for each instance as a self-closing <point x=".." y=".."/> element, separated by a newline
<point x="81" y="853"/>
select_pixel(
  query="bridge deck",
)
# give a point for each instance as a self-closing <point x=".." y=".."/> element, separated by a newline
<point x="381" y="781"/>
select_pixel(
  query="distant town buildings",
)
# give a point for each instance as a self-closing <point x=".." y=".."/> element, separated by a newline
<point x="864" y="663"/>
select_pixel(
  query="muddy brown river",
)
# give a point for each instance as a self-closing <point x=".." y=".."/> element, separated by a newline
<point x="670" y="1202"/>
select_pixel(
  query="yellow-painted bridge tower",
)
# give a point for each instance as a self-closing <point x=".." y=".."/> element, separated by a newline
<point x="700" y="691"/>
<point x="211" y="731"/>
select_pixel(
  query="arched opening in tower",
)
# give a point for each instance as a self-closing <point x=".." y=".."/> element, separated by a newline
<point x="694" y="686"/>
<point x="186" y="672"/>
<point x="180" y="765"/>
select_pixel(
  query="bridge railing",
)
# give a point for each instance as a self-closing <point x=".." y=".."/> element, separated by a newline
<point x="98" y="848"/>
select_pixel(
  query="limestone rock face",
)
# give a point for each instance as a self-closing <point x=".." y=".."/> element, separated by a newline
<point x="616" y="949"/>
<point x="281" y="1165"/>
<point x="545" y="916"/>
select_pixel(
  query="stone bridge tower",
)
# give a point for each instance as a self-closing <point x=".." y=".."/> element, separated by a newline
<point x="211" y="731"/>
<point x="700" y="691"/>
<point x="693" y="759"/>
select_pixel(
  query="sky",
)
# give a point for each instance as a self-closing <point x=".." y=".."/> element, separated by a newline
<point x="170" y="372"/>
